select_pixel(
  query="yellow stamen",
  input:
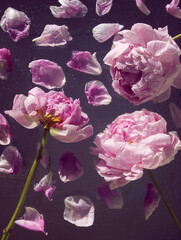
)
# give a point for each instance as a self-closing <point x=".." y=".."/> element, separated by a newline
<point x="130" y="142"/>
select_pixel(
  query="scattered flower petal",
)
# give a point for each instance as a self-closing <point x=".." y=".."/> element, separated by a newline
<point x="16" y="23"/>
<point x="45" y="158"/>
<point x="47" y="74"/>
<point x="79" y="210"/>
<point x="70" y="168"/>
<point x="97" y="93"/>
<point x="5" y="135"/>
<point x="104" y="31"/>
<point x="142" y="7"/>
<point x="174" y="9"/>
<point x="84" y="61"/>
<point x="32" y="220"/>
<point x="113" y="198"/>
<point x="69" y="9"/>
<point x="5" y="63"/>
<point x="176" y="114"/>
<point x="46" y="185"/>
<point x="10" y="160"/>
<point x="103" y="6"/>
<point x="53" y="36"/>
<point x="151" y="201"/>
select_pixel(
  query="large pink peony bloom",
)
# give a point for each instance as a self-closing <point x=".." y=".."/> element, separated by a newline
<point x="144" y="63"/>
<point x="63" y="116"/>
<point x="131" y="143"/>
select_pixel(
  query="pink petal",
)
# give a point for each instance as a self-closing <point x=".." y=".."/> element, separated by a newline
<point x="5" y="135"/>
<point x="103" y="6"/>
<point x="53" y="35"/>
<point x="176" y="114"/>
<point x="113" y="198"/>
<point x="10" y="160"/>
<point x="70" y="168"/>
<point x="46" y="185"/>
<point x="85" y="62"/>
<point x="151" y="201"/>
<point x="32" y="220"/>
<point x="163" y="97"/>
<point x="79" y="210"/>
<point x="47" y="74"/>
<point x="174" y="9"/>
<point x="5" y="63"/>
<point x="142" y="7"/>
<point x="97" y="93"/>
<point x="104" y="31"/>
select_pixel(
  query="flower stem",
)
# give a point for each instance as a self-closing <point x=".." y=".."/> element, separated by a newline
<point x="150" y="174"/>
<point x="8" y="229"/>
<point x="177" y="37"/>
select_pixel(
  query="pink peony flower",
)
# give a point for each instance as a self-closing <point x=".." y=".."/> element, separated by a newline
<point x="144" y="63"/>
<point x="5" y="63"/>
<point x="132" y="142"/>
<point x="61" y="115"/>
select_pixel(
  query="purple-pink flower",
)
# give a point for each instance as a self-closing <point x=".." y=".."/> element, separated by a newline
<point x="173" y="8"/>
<point x="144" y="64"/>
<point x="5" y="135"/>
<point x="5" y="63"/>
<point x="132" y="142"/>
<point x="103" y="7"/>
<point x="61" y="115"/>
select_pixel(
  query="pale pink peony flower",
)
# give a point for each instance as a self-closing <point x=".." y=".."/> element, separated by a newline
<point x="61" y="115"/>
<point x="16" y="23"/>
<point x="5" y="135"/>
<point x="103" y="7"/>
<point x="144" y="63"/>
<point x="132" y="142"/>
<point x="173" y="8"/>
<point x="140" y="4"/>
<point x="5" y="63"/>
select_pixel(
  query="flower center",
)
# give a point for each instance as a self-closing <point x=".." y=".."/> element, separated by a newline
<point x="48" y="120"/>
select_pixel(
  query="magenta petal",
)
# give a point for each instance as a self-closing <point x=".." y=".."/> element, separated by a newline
<point x="176" y="114"/>
<point x="5" y="63"/>
<point x="5" y="135"/>
<point x="85" y="62"/>
<point x="151" y="201"/>
<point x="47" y="74"/>
<point x="53" y="35"/>
<point x="142" y="7"/>
<point x="79" y="210"/>
<point x="103" y="6"/>
<point x="70" y="168"/>
<point x="10" y="160"/>
<point x="113" y="198"/>
<point x="97" y="93"/>
<point x="174" y="9"/>
<point x="32" y="220"/>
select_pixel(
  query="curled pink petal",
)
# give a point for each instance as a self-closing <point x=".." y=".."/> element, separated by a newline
<point x="16" y="23"/>
<point x="10" y="160"/>
<point x="103" y="7"/>
<point x="176" y="114"/>
<point x="70" y="168"/>
<point x="151" y="201"/>
<point x="5" y="135"/>
<point x="53" y="36"/>
<point x="85" y="62"/>
<point x="113" y="198"/>
<point x="32" y="220"/>
<point x="5" y="63"/>
<point x="47" y="74"/>
<point x="79" y="210"/>
<point x="142" y="7"/>
<point x="46" y="185"/>
<point x="174" y="9"/>
<point x="97" y="93"/>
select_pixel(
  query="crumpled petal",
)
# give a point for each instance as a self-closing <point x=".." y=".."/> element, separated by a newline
<point x="79" y="210"/>
<point x="84" y="61"/>
<point x="53" y="36"/>
<point x="32" y="220"/>
<point x="97" y="93"/>
<point x="46" y="185"/>
<point x="70" y="168"/>
<point x="10" y="160"/>
<point x="174" y="9"/>
<point x="112" y="198"/>
<point x="142" y="7"/>
<point x="5" y="135"/>
<point x="102" y="32"/>
<point x="176" y="114"/>
<point x="47" y="74"/>
<point x="16" y="23"/>
<point x="69" y="9"/>
<point x="151" y="201"/>
<point x="103" y="7"/>
<point x="5" y="63"/>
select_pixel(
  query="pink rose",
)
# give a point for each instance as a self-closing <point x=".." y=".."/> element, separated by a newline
<point x="132" y="142"/>
<point x="61" y="115"/>
<point x="144" y="63"/>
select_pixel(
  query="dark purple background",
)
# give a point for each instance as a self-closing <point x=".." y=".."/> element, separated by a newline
<point x="127" y="223"/>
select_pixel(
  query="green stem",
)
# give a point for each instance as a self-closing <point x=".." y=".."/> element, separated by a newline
<point x="150" y="174"/>
<point x="8" y="229"/>
<point x="177" y="37"/>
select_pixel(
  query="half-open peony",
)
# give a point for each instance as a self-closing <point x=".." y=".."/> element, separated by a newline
<point x="5" y="63"/>
<point x="132" y="142"/>
<point x="144" y="64"/>
<point x="61" y="115"/>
